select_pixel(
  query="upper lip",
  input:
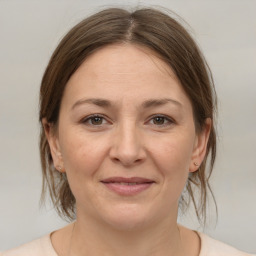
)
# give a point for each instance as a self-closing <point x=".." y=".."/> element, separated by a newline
<point x="127" y="180"/>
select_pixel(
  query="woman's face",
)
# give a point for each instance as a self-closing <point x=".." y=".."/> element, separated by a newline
<point x="126" y="138"/>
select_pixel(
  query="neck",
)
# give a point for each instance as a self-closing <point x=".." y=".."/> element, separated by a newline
<point x="90" y="238"/>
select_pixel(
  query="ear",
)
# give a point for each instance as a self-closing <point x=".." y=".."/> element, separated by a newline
<point x="53" y="141"/>
<point x="200" y="146"/>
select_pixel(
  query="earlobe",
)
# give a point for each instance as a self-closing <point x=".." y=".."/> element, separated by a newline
<point x="53" y="141"/>
<point x="200" y="146"/>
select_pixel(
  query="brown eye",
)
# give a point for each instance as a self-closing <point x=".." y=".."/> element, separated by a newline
<point x="159" y="120"/>
<point x="94" y="120"/>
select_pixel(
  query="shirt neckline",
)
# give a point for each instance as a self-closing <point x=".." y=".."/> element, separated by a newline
<point x="50" y="248"/>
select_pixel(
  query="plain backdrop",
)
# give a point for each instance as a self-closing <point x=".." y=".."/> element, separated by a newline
<point x="29" y="32"/>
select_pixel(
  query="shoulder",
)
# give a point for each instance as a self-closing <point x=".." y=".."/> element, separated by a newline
<point x="212" y="247"/>
<point x="39" y="247"/>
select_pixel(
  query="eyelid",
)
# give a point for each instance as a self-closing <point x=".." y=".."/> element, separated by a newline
<point x="170" y="120"/>
<point x="87" y="118"/>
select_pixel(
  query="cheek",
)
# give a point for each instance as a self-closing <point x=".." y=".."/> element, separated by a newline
<point x="173" y="154"/>
<point x="82" y="154"/>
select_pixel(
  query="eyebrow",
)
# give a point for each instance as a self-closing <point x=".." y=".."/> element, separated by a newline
<point x="145" y="104"/>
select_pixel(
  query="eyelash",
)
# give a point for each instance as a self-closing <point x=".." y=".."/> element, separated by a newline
<point x="85" y="120"/>
<point x="90" y="118"/>
<point x="167" y="119"/>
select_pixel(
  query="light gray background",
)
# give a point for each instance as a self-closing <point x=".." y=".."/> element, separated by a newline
<point x="29" y="32"/>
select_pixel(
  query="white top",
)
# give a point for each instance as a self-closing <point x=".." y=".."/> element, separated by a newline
<point x="43" y="247"/>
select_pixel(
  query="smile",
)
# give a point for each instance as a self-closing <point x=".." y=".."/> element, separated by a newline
<point x="127" y="186"/>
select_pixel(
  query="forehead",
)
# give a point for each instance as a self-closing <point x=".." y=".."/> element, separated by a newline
<point x="124" y="72"/>
<point x="117" y="59"/>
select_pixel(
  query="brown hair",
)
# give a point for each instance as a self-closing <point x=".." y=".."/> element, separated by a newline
<point x="147" y="27"/>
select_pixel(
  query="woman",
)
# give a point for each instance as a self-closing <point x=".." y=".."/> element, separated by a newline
<point x="127" y="109"/>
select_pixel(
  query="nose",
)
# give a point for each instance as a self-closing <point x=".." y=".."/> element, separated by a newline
<point x="127" y="146"/>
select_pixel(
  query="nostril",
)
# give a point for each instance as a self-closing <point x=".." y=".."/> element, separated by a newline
<point x="116" y="159"/>
<point x="127" y="156"/>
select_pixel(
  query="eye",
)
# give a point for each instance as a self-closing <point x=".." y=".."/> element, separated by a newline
<point x="94" y="120"/>
<point x="160" y="120"/>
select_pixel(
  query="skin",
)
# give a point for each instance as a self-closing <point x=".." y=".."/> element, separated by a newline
<point x="128" y="141"/>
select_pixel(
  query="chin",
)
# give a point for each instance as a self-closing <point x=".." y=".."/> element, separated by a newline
<point x="128" y="217"/>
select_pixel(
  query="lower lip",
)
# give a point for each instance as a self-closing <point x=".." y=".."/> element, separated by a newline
<point x="128" y="190"/>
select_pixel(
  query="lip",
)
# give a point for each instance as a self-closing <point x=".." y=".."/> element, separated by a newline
<point x="127" y="186"/>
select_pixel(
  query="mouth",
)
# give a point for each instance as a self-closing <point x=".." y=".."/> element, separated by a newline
<point x="127" y="186"/>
